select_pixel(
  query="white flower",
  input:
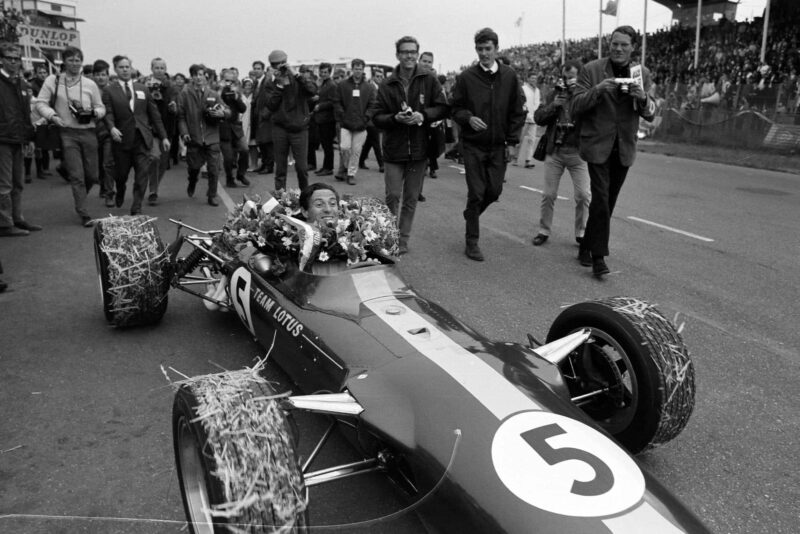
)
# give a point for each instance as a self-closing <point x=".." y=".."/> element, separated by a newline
<point x="323" y="256"/>
<point x="287" y="241"/>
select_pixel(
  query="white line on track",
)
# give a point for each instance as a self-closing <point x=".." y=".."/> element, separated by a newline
<point x="671" y="229"/>
<point x="459" y="169"/>
<point x="540" y="191"/>
<point x="226" y="198"/>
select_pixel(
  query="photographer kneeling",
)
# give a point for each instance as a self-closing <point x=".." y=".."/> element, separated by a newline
<point x="562" y="153"/>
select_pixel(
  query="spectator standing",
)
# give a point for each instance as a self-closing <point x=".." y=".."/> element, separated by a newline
<point x="76" y="106"/>
<point x="373" y="134"/>
<point x="353" y="99"/>
<point x="232" y="141"/>
<point x="488" y="105"/>
<point x="261" y="118"/>
<point x="407" y="103"/>
<point x="16" y="130"/>
<point x="529" y="136"/>
<point x="323" y="116"/>
<point x="105" y="157"/>
<point x="131" y="120"/>
<point x="41" y="154"/>
<point x="288" y="102"/>
<point x="247" y="98"/>
<point x="562" y="153"/>
<point x="200" y="111"/>
<point x="166" y="99"/>
<point x="608" y="113"/>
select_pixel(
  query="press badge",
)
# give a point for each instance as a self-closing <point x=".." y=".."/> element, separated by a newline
<point x="140" y="95"/>
<point x="356" y="93"/>
<point x="422" y="99"/>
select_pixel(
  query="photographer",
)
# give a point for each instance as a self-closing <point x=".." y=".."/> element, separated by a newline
<point x="288" y="102"/>
<point x="200" y="110"/>
<point x="562" y="153"/>
<point x="608" y="104"/>
<point x="73" y="103"/>
<point x="166" y="99"/>
<point x="232" y="141"/>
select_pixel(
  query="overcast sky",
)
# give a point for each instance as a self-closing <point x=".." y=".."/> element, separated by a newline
<point x="224" y="33"/>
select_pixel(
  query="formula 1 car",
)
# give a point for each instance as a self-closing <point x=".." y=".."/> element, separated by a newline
<point x="479" y="435"/>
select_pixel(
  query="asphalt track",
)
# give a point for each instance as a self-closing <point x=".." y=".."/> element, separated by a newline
<point x="85" y="438"/>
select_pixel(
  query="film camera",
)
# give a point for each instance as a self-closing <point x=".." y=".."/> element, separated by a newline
<point x="83" y="116"/>
<point x="155" y="87"/>
<point x="211" y="106"/>
<point x="564" y="85"/>
<point x="562" y="130"/>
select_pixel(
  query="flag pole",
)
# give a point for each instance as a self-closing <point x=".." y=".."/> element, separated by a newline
<point x="600" y="34"/>
<point x="765" y="31"/>
<point x="564" y="31"/>
<point x="644" y="33"/>
<point x="697" y="35"/>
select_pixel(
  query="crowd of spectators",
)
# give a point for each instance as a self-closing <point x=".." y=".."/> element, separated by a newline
<point x="10" y="17"/>
<point x="729" y="74"/>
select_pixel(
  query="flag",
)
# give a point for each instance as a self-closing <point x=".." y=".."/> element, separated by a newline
<point x="611" y="8"/>
<point x="518" y="23"/>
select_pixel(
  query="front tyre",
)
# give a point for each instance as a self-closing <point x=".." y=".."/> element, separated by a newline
<point x="634" y="376"/>
<point x="235" y="456"/>
<point x="132" y="269"/>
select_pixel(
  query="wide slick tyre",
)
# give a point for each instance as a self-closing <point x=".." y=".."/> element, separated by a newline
<point x="132" y="270"/>
<point x="234" y="452"/>
<point x="634" y="376"/>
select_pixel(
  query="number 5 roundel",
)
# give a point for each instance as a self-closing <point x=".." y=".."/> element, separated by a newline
<point x="565" y="467"/>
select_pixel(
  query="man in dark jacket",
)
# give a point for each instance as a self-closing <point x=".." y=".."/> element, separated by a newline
<point x="407" y="103"/>
<point x="16" y="129"/>
<point x="608" y="112"/>
<point x="488" y="105"/>
<point x="353" y="99"/>
<point x="323" y="116"/>
<point x="232" y="143"/>
<point x="261" y="118"/>
<point x="288" y="102"/>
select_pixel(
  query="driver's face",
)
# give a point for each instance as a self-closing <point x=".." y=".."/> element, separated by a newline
<point x="323" y="208"/>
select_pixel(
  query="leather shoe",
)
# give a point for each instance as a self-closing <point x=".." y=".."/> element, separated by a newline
<point x="539" y="240"/>
<point x="110" y="202"/>
<point x="585" y="258"/>
<point x="421" y="198"/>
<point x="190" y="189"/>
<point x="12" y="231"/>
<point x="243" y="179"/>
<point x="473" y="252"/>
<point x="339" y="177"/>
<point x="363" y="166"/>
<point x="324" y="172"/>
<point x="87" y="221"/>
<point x="119" y="198"/>
<point x="267" y="170"/>
<point x="433" y="174"/>
<point x="599" y="267"/>
<point x="212" y="201"/>
<point x="351" y="180"/>
<point x="25" y="225"/>
<point x="231" y="183"/>
<point x="152" y="199"/>
<point x="380" y="169"/>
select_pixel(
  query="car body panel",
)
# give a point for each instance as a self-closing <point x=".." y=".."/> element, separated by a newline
<point x="521" y="456"/>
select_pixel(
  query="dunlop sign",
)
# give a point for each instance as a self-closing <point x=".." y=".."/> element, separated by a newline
<point x="44" y="37"/>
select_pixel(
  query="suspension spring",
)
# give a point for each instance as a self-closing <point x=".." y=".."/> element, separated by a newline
<point x="189" y="263"/>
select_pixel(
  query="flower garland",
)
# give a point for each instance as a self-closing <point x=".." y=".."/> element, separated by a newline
<point x="365" y="230"/>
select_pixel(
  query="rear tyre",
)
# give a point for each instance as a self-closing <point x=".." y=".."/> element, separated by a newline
<point x="237" y="468"/>
<point x="634" y="377"/>
<point x="132" y="269"/>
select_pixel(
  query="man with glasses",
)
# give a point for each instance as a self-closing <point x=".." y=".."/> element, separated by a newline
<point x="16" y="129"/>
<point x="288" y="102"/>
<point x="407" y="103"/>
<point x="608" y="112"/>
<point x="77" y="104"/>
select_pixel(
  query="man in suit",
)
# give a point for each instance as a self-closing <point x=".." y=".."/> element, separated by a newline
<point x="131" y="117"/>
<point x="232" y="143"/>
<point x="608" y="112"/>
<point x="261" y="118"/>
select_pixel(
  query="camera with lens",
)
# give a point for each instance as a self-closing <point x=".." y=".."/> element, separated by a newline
<point x="211" y="106"/>
<point x="562" y="130"/>
<point x="564" y="85"/>
<point x="155" y="87"/>
<point x="83" y="116"/>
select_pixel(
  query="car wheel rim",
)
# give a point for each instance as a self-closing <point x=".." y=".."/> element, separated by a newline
<point x="601" y="375"/>
<point x="193" y="478"/>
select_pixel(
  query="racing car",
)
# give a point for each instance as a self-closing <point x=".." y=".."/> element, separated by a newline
<point x="478" y="435"/>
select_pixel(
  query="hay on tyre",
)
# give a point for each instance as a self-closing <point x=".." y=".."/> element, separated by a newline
<point x="634" y="377"/>
<point x="235" y="454"/>
<point x="132" y="266"/>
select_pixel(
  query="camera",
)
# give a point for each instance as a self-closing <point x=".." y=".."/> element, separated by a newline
<point x="211" y="106"/>
<point x="624" y="84"/>
<point x="155" y="87"/>
<point x="83" y="116"/>
<point x="562" y="130"/>
<point x="564" y="84"/>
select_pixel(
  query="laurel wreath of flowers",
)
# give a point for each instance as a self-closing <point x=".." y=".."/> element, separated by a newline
<point x="365" y="229"/>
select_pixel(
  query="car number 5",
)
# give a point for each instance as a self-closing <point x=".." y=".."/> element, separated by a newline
<point x="561" y="465"/>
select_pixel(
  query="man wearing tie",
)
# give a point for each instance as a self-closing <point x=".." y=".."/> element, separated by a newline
<point x="132" y="117"/>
